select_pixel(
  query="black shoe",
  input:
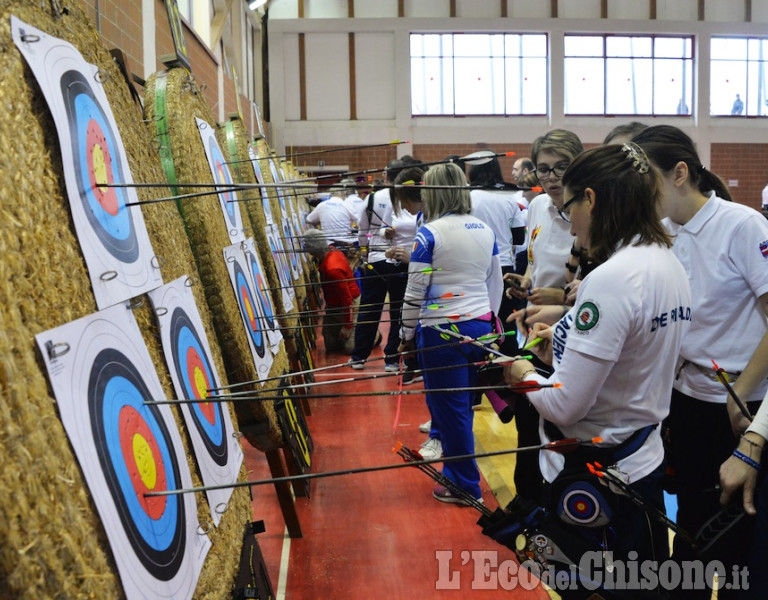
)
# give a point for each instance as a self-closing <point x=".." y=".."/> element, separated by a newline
<point x="410" y="377"/>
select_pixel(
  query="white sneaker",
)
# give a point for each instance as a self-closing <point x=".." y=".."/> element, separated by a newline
<point x="357" y="365"/>
<point x="426" y="427"/>
<point x="431" y="449"/>
<point x="391" y="367"/>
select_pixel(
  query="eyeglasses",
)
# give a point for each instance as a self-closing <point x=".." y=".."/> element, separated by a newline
<point x="544" y="172"/>
<point x="565" y="210"/>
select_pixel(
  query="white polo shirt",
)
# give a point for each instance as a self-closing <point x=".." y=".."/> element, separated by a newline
<point x="500" y="211"/>
<point x="724" y="250"/>
<point x="631" y="312"/>
<point x="549" y="242"/>
<point x="371" y="231"/>
<point x="335" y="218"/>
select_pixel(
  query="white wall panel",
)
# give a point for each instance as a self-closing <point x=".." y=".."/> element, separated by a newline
<point x="760" y="12"/>
<point x="729" y="11"/>
<point x="327" y="75"/>
<point x="629" y="9"/>
<point x="677" y="10"/>
<point x="325" y="9"/>
<point x="291" y="102"/>
<point x="427" y="8"/>
<point x="475" y="9"/>
<point x="375" y="75"/>
<point x="284" y="9"/>
<point x="578" y="9"/>
<point x="525" y="9"/>
<point x="375" y="8"/>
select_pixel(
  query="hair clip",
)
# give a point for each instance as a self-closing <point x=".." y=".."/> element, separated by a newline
<point x="638" y="157"/>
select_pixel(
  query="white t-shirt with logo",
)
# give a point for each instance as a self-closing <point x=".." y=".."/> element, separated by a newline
<point x="549" y="242"/>
<point x="629" y="320"/>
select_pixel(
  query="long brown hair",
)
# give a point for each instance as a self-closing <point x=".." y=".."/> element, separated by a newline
<point x="666" y="146"/>
<point x="628" y="191"/>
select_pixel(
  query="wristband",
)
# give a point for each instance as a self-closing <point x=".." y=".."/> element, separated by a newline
<point x="744" y="458"/>
<point x="570" y="267"/>
<point x="574" y="252"/>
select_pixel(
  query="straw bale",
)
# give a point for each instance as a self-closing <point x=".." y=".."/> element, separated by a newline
<point x="54" y="545"/>
<point x="208" y="236"/>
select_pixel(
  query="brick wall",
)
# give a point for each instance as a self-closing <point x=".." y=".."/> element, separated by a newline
<point x="747" y="163"/>
<point x="369" y="158"/>
<point x="120" y="24"/>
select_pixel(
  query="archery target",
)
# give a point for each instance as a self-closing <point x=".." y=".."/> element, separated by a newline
<point x="283" y="270"/>
<point x="263" y="295"/>
<point x="127" y="448"/>
<point x="193" y="368"/>
<point x="260" y="178"/>
<point x="188" y="356"/>
<point x="230" y="207"/>
<point x="290" y="242"/>
<point x="249" y="308"/>
<point x="139" y="459"/>
<point x="111" y="232"/>
<point x="276" y="179"/>
<point x="94" y="154"/>
<point x="582" y="504"/>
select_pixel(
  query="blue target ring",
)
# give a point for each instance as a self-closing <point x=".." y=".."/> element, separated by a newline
<point x="133" y="443"/>
<point x="222" y="176"/>
<point x="287" y="233"/>
<point x="247" y="304"/>
<point x="193" y="369"/>
<point x="96" y="161"/>
<point x="261" y="292"/>
<point x="282" y="264"/>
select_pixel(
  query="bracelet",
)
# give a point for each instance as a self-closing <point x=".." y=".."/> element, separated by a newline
<point x="751" y="443"/>
<point x="571" y="268"/>
<point x="574" y="252"/>
<point x="744" y="458"/>
<point x="528" y="372"/>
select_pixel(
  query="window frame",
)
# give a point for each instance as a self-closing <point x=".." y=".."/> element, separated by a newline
<point x="503" y="57"/>
<point x="747" y="63"/>
<point x="689" y="63"/>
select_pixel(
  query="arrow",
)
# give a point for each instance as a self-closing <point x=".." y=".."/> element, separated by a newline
<point x="558" y="446"/>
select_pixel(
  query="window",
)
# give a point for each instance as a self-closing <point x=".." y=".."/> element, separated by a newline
<point x="628" y="75"/>
<point x="738" y="76"/>
<point x="478" y="74"/>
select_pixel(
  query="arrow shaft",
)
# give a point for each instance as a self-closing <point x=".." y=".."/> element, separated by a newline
<point x="553" y="446"/>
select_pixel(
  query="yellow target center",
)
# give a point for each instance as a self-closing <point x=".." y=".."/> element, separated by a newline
<point x="249" y="309"/>
<point x="200" y="384"/>
<point x="144" y="461"/>
<point x="99" y="165"/>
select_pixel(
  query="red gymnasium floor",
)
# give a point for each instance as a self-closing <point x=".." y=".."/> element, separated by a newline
<point x="373" y="535"/>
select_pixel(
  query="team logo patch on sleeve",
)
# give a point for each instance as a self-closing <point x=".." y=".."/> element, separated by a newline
<point x="587" y="316"/>
<point x="764" y="248"/>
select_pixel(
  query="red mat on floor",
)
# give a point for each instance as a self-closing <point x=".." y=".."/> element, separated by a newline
<point x="375" y="535"/>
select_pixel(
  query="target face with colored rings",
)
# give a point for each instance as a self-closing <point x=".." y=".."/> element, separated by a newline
<point x="96" y="162"/>
<point x="137" y="456"/>
<point x="289" y="237"/>
<point x="194" y="371"/>
<point x="261" y="290"/>
<point x="247" y="302"/>
<point x="582" y="504"/>
<point x="222" y="176"/>
<point x="283" y="268"/>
